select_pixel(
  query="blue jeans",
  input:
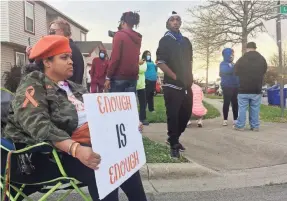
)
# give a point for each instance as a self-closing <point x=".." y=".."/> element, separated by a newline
<point x="123" y="86"/>
<point x="253" y="101"/>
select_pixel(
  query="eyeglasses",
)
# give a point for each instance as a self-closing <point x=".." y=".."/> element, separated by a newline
<point x="53" y="31"/>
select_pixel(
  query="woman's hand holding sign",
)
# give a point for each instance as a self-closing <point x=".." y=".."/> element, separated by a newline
<point x="88" y="157"/>
<point x="141" y="127"/>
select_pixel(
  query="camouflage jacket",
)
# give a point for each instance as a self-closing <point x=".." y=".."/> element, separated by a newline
<point x="41" y="111"/>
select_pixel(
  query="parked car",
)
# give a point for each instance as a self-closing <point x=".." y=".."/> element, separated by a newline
<point x="158" y="88"/>
<point x="212" y="88"/>
<point x="264" y="91"/>
<point x="219" y="91"/>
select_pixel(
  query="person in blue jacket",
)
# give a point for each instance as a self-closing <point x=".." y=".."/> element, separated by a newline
<point x="150" y="79"/>
<point x="229" y="85"/>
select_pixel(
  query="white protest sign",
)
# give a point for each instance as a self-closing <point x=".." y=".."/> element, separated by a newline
<point x="113" y="123"/>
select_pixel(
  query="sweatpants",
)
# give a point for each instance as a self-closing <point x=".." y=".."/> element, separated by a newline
<point x="230" y="96"/>
<point x="142" y="103"/>
<point x="178" y="105"/>
<point x="150" y="89"/>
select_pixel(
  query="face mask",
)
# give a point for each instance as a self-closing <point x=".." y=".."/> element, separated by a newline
<point x="148" y="57"/>
<point x="102" y="55"/>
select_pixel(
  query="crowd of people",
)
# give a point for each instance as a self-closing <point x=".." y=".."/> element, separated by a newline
<point x="55" y="113"/>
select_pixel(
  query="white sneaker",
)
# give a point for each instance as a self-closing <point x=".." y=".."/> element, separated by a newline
<point x="188" y="123"/>
<point x="224" y="123"/>
<point x="234" y="122"/>
<point x="199" y="123"/>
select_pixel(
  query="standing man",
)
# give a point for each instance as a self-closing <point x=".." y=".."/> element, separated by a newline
<point x="250" y="69"/>
<point x="98" y="72"/>
<point x="122" y="76"/>
<point x="174" y="56"/>
<point x="123" y="67"/>
<point x="62" y="28"/>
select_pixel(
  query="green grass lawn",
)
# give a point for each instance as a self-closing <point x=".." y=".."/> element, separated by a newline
<point x="160" y="115"/>
<point x="212" y="96"/>
<point x="159" y="153"/>
<point x="272" y="114"/>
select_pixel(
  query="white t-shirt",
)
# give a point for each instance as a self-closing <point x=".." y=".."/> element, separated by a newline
<point x="82" y="118"/>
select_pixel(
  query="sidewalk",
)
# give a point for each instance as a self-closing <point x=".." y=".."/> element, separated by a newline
<point x="224" y="149"/>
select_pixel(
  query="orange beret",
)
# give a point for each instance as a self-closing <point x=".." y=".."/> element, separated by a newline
<point x="49" y="46"/>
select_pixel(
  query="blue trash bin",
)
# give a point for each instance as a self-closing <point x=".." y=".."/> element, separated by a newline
<point x="273" y="94"/>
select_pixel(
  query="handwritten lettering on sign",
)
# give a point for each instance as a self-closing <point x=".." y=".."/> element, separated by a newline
<point x="113" y="122"/>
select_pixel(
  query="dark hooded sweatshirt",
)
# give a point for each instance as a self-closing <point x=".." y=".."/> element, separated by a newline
<point x="178" y="56"/>
<point x="124" y="63"/>
<point x="250" y="69"/>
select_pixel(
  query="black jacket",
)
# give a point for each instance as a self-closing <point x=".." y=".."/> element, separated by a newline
<point x="178" y="57"/>
<point x="251" y="68"/>
<point x="78" y="63"/>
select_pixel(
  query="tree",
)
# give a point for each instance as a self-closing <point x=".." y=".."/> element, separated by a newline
<point x="270" y="77"/>
<point x="237" y="20"/>
<point x="12" y="78"/>
<point x="205" y="38"/>
<point x="275" y="60"/>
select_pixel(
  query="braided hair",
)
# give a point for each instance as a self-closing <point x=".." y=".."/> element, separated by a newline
<point x="131" y="18"/>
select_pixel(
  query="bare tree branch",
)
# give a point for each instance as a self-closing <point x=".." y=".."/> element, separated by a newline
<point x="235" y="21"/>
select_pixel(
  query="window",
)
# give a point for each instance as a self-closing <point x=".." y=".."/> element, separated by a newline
<point x="29" y="17"/>
<point x="20" y="58"/>
<point x="83" y="36"/>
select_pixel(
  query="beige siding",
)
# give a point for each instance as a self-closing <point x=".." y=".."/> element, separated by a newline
<point x="4" y="36"/>
<point x="76" y="33"/>
<point x="16" y="22"/>
<point x="7" y="59"/>
<point x="93" y="55"/>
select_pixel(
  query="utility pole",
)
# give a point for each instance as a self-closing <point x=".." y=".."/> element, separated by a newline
<point x="279" y="43"/>
<point x="207" y="68"/>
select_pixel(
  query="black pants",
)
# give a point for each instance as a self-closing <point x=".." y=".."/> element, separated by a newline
<point x="142" y="103"/>
<point x="230" y="95"/>
<point x="150" y="88"/>
<point x="178" y="105"/>
<point x="89" y="87"/>
<point x="46" y="170"/>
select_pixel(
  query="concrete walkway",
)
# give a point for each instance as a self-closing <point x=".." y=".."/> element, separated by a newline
<point x="224" y="149"/>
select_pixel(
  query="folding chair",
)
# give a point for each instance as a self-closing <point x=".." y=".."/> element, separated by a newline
<point x="49" y="187"/>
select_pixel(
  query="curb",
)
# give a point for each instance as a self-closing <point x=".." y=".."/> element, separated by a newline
<point x="175" y="171"/>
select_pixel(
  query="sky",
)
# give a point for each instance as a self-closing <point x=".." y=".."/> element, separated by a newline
<point x="101" y="16"/>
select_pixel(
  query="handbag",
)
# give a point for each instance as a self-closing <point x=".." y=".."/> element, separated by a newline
<point x="82" y="135"/>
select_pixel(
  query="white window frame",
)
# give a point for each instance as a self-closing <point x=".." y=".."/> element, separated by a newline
<point x="26" y="2"/>
<point x="85" y="34"/>
<point x="16" y="57"/>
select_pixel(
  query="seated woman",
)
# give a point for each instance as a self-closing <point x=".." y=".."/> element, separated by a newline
<point x="48" y="108"/>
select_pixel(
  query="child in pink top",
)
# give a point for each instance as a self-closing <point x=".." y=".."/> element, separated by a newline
<point x="198" y="109"/>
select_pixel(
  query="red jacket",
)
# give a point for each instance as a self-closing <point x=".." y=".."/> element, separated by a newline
<point x="124" y="63"/>
<point x="99" y="70"/>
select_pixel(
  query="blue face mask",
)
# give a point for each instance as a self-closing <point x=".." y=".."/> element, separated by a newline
<point x="148" y="57"/>
<point x="102" y="55"/>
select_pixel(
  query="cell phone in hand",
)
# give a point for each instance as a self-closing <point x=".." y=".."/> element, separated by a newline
<point x="111" y="33"/>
